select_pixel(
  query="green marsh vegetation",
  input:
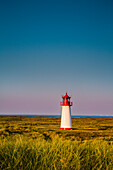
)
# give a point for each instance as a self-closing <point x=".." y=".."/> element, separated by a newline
<point x="38" y="143"/>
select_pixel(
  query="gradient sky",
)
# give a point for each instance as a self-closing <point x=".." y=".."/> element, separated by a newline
<point x="49" y="47"/>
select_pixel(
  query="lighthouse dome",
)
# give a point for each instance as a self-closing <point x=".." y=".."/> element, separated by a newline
<point x="66" y="96"/>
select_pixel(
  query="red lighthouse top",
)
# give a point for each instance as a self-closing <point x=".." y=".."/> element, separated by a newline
<point x="66" y="101"/>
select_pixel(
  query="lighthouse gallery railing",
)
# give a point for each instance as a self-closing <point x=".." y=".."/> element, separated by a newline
<point x="66" y="103"/>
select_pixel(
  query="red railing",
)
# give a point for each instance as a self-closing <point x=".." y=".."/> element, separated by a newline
<point x="61" y="103"/>
<point x="66" y="103"/>
<point x="71" y="103"/>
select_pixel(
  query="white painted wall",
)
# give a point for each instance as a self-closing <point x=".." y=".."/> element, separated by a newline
<point x="66" y="117"/>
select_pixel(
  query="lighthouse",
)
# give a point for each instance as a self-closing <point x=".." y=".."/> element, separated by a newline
<point x="66" y="113"/>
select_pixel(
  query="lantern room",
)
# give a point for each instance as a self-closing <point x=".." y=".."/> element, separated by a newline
<point x="66" y="101"/>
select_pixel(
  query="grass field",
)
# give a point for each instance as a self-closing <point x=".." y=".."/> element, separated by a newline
<point x="37" y="143"/>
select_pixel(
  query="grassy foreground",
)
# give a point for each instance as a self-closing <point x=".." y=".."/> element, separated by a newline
<point x="37" y="143"/>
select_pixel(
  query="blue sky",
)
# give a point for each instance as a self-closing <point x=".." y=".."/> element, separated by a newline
<point x="50" y="47"/>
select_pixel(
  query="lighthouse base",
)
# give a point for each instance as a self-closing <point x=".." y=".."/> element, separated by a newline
<point x="65" y="128"/>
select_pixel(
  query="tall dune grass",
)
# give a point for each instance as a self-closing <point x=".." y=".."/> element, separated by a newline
<point x="58" y="153"/>
<point x="37" y="143"/>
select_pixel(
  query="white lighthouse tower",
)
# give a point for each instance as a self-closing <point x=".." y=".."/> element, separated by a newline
<point x="66" y="113"/>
